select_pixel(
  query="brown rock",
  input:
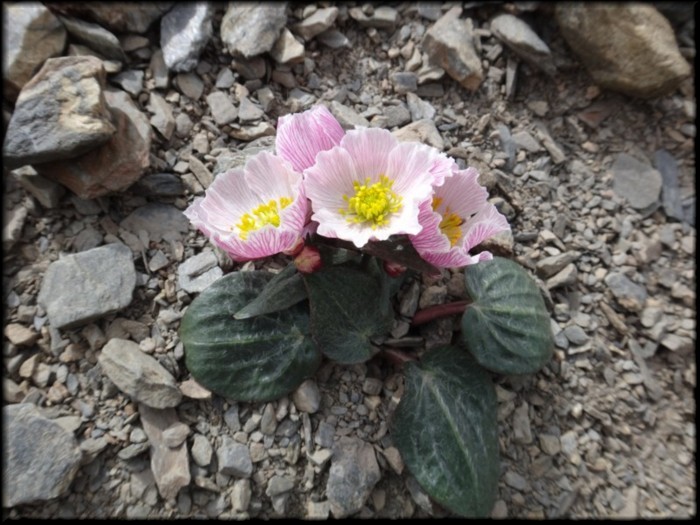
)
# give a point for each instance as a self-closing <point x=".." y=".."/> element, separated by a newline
<point x="449" y="44"/>
<point x="423" y="130"/>
<point x="123" y="17"/>
<point x="626" y="47"/>
<point x="116" y="165"/>
<point x="20" y="335"/>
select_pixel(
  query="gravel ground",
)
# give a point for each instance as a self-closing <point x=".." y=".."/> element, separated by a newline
<point x="607" y="429"/>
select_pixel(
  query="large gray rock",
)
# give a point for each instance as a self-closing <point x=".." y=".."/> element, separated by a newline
<point x="353" y="474"/>
<point x="138" y="374"/>
<point x="30" y="35"/>
<point x="41" y="458"/>
<point x="523" y="41"/>
<point x="114" y="166"/>
<point x="60" y="113"/>
<point x="184" y="33"/>
<point x="248" y="30"/>
<point x="449" y="44"/>
<point x="637" y="182"/>
<point x="626" y="47"/>
<point x="84" y="286"/>
<point x="95" y="37"/>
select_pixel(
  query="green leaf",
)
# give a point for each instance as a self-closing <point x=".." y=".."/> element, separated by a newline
<point x="346" y="311"/>
<point x="507" y="327"/>
<point x="284" y="290"/>
<point x="445" y="428"/>
<point x="257" y="359"/>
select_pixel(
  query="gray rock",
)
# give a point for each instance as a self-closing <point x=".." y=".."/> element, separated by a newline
<point x="397" y="115"/>
<point x="190" y="85"/>
<point x="423" y="130"/>
<point x="60" y="113"/>
<point x="515" y="480"/>
<point x="231" y="418"/>
<point x="95" y="37"/>
<point x="522" y="433"/>
<point x="185" y="31"/>
<point x="162" y="118"/>
<point x="221" y="107"/>
<point x="333" y="39"/>
<point x="324" y="434"/>
<point x="236" y="159"/>
<point x="46" y="191"/>
<point x="250" y="133"/>
<point x="637" y="182"/>
<point x="170" y="466"/>
<point x="320" y="21"/>
<point x="347" y="116"/>
<point x="576" y="335"/>
<point x="138" y="374"/>
<point x="201" y="450"/>
<point x="252" y="29"/>
<point x="159" y="70"/>
<point x="404" y="82"/>
<point x="630" y="48"/>
<point x="87" y="239"/>
<point x="130" y="81"/>
<point x="353" y="474"/>
<point x="160" y="221"/>
<point x="79" y="288"/>
<point x="224" y="79"/>
<point x="201" y="172"/>
<point x="631" y="296"/>
<point x="41" y="458"/>
<point x="240" y="495"/>
<point x="307" y="397"/>
<point x="279" y="485"/>
<point x="160" y="185"/>
<point x="126" y="17"/>
<point x="524" y="42"/>
<point x="287" y="49"/>
<point x="31" y="35"/>
<point x="117" y="164"/>
<point x="419" y="108"/>
<point x="551" y="265"/>
<point x="523" y="140"/>
<point x="199" y="272"/>
<point x="670" y="191"/>
<point x="449" y="44"/>
<point x="383" y="17"/>
<point x="567" y="276"/>
<point x="247" y="111"/>
<point x="176" y="434"/>
<point x="234" y="458"/>
<point x="252" y="69"/>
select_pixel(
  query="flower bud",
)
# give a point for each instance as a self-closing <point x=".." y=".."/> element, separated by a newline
<point x="296" y="249"/>
<point x="308" y="260"/>
<point x="394" y="269"/>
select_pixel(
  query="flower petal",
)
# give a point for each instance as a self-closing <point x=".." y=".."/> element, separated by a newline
<point x="486" y="223"/>
<point x="301" y="136"/>
<point x="369" y="149"/>
<point x="270" y="177"/>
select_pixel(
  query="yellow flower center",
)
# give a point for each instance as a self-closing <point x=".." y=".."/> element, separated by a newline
<point x="451" y="223"/>
<point x="372" y="203"/>
<point x="262" y="216"/>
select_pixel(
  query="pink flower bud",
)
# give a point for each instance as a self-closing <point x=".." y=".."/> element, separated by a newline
<point x="295" y="249"/>
<point x="394" y="269"/>
<point x="308" y="260"/>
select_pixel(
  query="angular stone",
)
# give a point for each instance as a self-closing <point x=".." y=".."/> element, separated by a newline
<point x="523" y="41"/>
<point x="84" y="286"/>
<point x="95" y="37"/>
<point x="287" y="49"/>
<point x="382" y="17"/>
<point x="176" y="434"/>
<point x="159" y="70"/>
<point x="626" y="47"/>
<point x="404" y="82"/>
<point x="31" y="35"/>
<point x="347" y="116"/>
<point x="170" y="466"/>
<point x="185" y="31"/>
<point x="551" y="265"/>
<point x="160" y="185"/>
<point x="419" y="108"/>
<point x="251" y="69"/>
<point x="199" y="272"/>
<point x="234" y="458"/>
<point x="252" y="29"/>
<point x="317" y="23"/>
<point x="250" y="133"/>
<point x="117" y="164"/>
<point x="353" y="474"/>
<point x="423" y="130"/>
<point x="449" y="44"/>
<point x="162" y="118"/>
<point x="20" y="335"/>
<point x="333" y="39"/>
<point x="46" y="191"/>
<point x="41" y="458"/>
<point x="130" y="81"/>
<point x="307" y="397"/>
<point x="190" y="85"/>
<point x="123" y="17"/>
<point x="60" y="113"/>
<point x="637" y="182"/>
<point x="522" y="432"/>
<point x="630" y="295"/>
<point x="666" y="164"/>
<point x="202" y="450"/>
<point x="247" y="111"/>
<point x="567" y="276"/>
<point x="240" y="495"/>
<point x="138" y="374"/>
<point x="160" y="221"/>
<point x="221" y="107"/>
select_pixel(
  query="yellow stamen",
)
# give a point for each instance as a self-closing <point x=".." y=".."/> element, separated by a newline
<point x="451" y="223"/>
<point x="372" y="203"/>
<point x="262" y="216"/>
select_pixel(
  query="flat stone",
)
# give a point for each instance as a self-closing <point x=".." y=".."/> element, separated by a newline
<point x="250" y="133"/>
<point x="353" y="474"/>
<point x="247" y="111"/>
<point x="162" y="118"/>
<point x="202" y="450"/>
<point x="131" y="17"/>
<point x="160" y="185"/>
<point x="515" y="480"/>
<point x="115" y="165"/>
<point x="404" y="82"/>
<point x="550" y="444"/>
<point x="221" y="107"/>
<point x="419" y="108"/>
<point x="423" y="130"/>
<point x="234" y="458"/>
<point x="637" y="182"/>
<point x="79" y="288"/>
<point x="382" y="17"/>
<point x="550" y="266"/>
<point x="671" y="202"/>
<point x="287" y="49"/>
<point x="170" y="466"/>
<point x="46" y="191"/>
<point x="522" y="433"/>
<point x="138" y="374"/>
<point x="317" y="23"/>
<point x="567" y="276"/>
<point x="40" y="456"/>
<point x="199" y="272"/>
<point x="185" y="31"/>
<point x="333" y="39"/>
<point x="347" y="116"/>
<point x="523" y="41"/>
<point x="240" y="495"/>
<point x="248" y="30"/>
<point x="279" y="485"/>
<point x="629" y="295"/>
<point x="159" y="70"/>
<point x="194" y="390"/>
<point x="130" y="81"/>
<point x="52" y="121"/>
<point x="160" y="221"/>
<point x="95" y="37"/>
<point x="449" y="44"/>
<point x="20" y="335"/>
<point x="307" y="397"/>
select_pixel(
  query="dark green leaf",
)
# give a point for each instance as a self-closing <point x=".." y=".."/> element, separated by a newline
<point x="284" y="290"/>
<point x="255" y="359"/>
<point x="507" y="327"/>
<point x="445" y="428"/>
<point x="346" y="311"/>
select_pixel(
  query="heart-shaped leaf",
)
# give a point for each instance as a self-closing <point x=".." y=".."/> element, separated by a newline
<point x="285" y="289"/>
<point x="445" y="428"/>
<point x="257" y="359"/>
<point x="507" y="327"/>
<point x="347" y="309"/>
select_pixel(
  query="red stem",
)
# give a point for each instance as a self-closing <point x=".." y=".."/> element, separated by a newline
<point x="439" y="310"/>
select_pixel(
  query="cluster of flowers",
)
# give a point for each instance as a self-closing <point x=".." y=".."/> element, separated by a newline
<point x="362" y="185"/>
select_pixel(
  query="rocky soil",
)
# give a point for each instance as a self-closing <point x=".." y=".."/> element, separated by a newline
<point x="588" y="153"/>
